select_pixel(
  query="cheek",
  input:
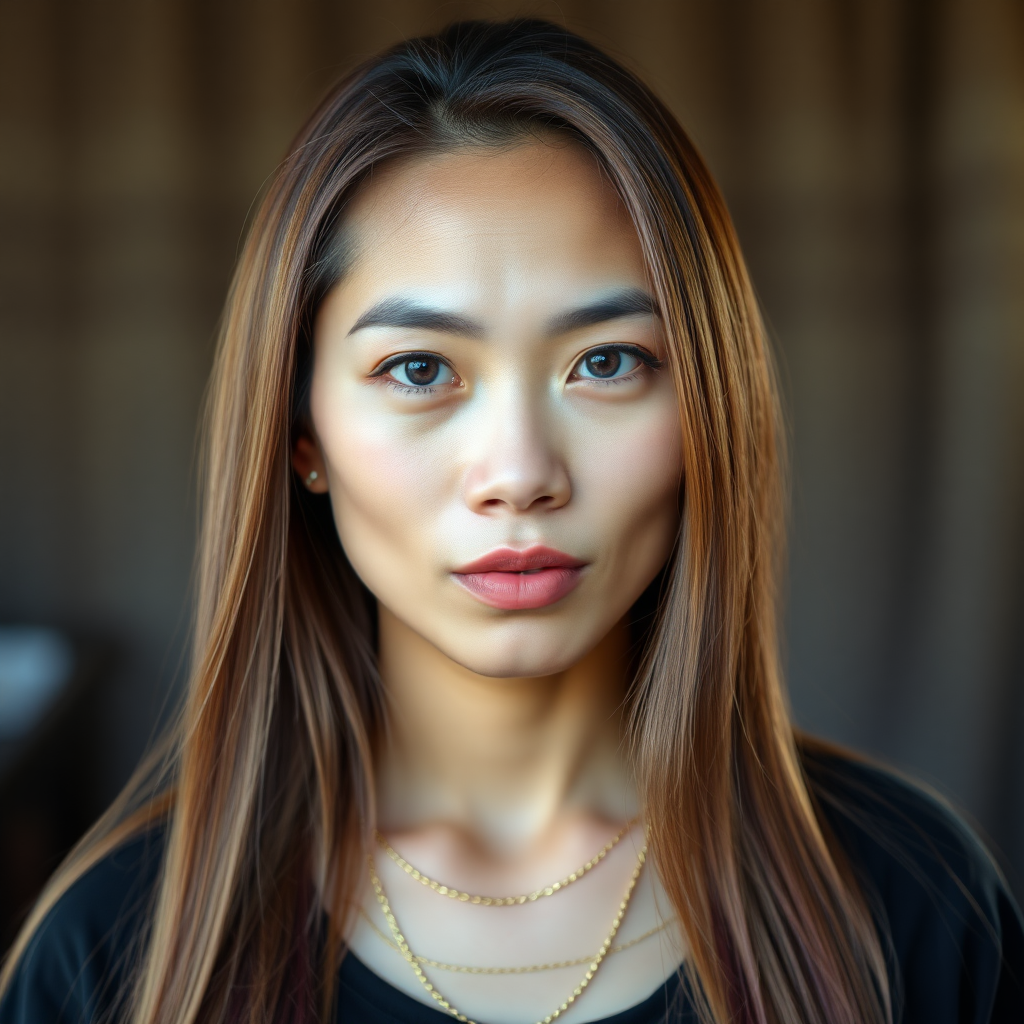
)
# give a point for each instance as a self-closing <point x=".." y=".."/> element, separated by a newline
<point x="386" y="487"/>
<point x="633" y="470"/>
<point x="629" y="477"/>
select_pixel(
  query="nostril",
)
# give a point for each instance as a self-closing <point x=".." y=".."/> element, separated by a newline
<point x="518" y="487"/>
<point x="544" y="501"/>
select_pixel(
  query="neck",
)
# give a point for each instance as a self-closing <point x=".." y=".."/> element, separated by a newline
<point x="501" y="758"/>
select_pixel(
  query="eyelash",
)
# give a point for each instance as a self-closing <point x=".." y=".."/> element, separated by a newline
<point x="647" y="360"/>
<point x="381" y="373"/>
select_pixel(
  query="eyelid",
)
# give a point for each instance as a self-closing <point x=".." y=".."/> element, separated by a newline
<point x="645" y="356"/>
<point x="402" y="357"/>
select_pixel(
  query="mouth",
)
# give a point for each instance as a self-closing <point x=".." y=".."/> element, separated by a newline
<point x="520" y="580"/>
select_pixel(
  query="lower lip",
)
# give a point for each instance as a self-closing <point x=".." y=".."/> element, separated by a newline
<point x="516" y="591"/>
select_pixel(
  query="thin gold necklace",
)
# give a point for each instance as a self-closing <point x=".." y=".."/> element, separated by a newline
<point x="440" y="965"/>
<point x="501" y="901"/>
<point x="413" y="962"/>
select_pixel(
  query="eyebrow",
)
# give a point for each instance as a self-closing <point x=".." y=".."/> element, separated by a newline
<point x="625" y="302"/>
<point x="398" y="312"/>
<point x="401" y="312"/>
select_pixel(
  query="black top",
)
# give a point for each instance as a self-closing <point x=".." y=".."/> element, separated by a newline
<point x="955" y="935"/>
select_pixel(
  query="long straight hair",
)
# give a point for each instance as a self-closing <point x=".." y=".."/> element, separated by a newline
<point x="265" y="789"/>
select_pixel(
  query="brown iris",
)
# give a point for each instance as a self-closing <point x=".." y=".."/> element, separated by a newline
<point x="422" y="370"/>
<point x="604" y="362"/>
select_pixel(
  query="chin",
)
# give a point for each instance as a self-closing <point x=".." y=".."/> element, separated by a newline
<point x="518" y="652"/>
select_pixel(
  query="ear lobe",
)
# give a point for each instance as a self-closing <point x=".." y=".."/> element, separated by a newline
<point x="308" y="463"/>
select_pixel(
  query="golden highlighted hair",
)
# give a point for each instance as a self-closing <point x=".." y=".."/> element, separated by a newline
<point x="265" y="787"/>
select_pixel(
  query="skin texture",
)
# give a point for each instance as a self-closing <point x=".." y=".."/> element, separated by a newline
<point x="502" y="769"/>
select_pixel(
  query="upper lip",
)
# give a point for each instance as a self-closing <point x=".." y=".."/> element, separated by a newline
<point x="511" y="560"/>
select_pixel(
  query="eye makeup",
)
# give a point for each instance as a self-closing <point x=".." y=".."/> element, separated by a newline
<point x="416" y="373"/>
<point x="424" y="372"/>
<point x="613" y="363"/>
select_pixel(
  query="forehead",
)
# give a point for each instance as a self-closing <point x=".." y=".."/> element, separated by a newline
<point x="495" y="217"/>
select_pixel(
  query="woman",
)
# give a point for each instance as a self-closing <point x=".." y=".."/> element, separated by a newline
<point x="485" y="716"/>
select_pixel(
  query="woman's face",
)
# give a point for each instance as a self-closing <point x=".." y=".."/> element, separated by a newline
<point x="501" y="446"/>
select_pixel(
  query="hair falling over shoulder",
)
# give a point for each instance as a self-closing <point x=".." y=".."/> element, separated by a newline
<point x="265" y="785"/>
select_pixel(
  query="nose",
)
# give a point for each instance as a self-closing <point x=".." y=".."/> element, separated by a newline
<point x="517" y="466"/>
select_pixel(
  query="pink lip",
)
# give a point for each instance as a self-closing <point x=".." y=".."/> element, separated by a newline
<point x="516" y="580"/>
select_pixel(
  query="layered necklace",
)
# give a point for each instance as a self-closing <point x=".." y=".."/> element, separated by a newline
<point x="417" y="963"/>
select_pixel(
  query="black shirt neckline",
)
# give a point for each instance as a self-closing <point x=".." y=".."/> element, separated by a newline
<point x="952" y="931"/>
<point x="368" y="998"/>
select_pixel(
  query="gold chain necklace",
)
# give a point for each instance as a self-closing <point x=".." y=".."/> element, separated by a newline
<point x="440" y="965"/>
<point x="501" y="901"/>
<point x="595" y="963"/>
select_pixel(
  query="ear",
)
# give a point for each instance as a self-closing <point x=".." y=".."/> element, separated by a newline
<point x="308" y="463"/>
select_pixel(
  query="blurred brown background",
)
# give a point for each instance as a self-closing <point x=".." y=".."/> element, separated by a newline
<point x="872" y="152"/>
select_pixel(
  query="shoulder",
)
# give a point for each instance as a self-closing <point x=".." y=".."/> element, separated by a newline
<point x="954" y="933"/>
<point x="75" y="966"/>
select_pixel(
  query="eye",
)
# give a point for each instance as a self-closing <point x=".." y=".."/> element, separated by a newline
<point x="613" y="362"/>
<point x="417" y="370"/>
